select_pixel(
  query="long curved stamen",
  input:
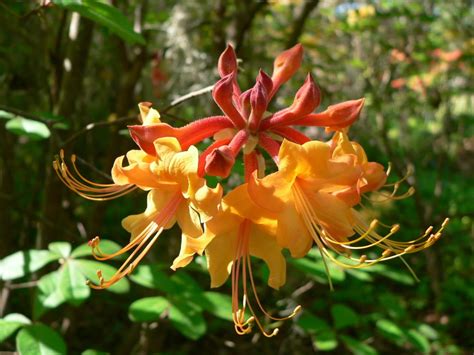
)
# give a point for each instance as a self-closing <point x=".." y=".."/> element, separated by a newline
<point x="392" y="249"/>
<point x="241" y="266"/>
<point x="142" y="243"/>
<point x="85" y="187"/>
<point x="392" y="196"/>
<point x="293" y="313"/>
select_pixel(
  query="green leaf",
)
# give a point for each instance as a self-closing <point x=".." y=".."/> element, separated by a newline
<point x="6" y="115"/>
<point x="316" y="269"/>
<point x="63" y="249"/>
<point x="428" y="331"/>
<point x="152" y="276"/>
<point x="10" y="324"/>
<point x="187" y="320"/>
<point x="34" y="130"/>
<point x="72" y="283"/>
<point x="390" y="330"/>
<point x="400" y="276"/>
<point x="219" y="305"/>
<point x="106" y="15"/>
<point x="94" y="352"/>
<point x="325" y="340"/>
<point x="17" y="317"/>
<point x="39" y="339"/>
<point x="343" y="316"/>
<point x="89" y="269"/>
<point x="418" y="340"/>
<point x="361" y="275"/>
<point x="357" y="347"/>
<point x="48" y="294"/>
<point x="393" y="305"/>
<point x="25" y="262"/>
<point x="147" y="309"/>
<point x="107" y="246"/>
<point x="311" y="323"/>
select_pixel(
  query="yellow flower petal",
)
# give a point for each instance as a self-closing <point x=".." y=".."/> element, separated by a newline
<point x="149" y="115"/>
<point x="138" y="171"/>
<point x="156" y="200"/>
<point x="265" y="247"/>
<point x="191" y="240"/>
<point x="292" y="232"/>
<point x="222" y="250"/>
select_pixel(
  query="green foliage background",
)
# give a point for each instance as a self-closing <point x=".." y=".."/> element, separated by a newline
<point x="71" y="74"/>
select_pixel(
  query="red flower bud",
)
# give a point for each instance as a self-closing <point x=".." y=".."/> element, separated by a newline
<point x="222" y="94"/>
<point x="227" y="62"/>
<point x="220" y="162"/>
<point x="244" y="100"/>
<point x="258" y="102"/>
<point x="285" y="65"/>
<point x="335" y="116"/>
<point x="307" y="99"/>
<point x="266" y="81"/>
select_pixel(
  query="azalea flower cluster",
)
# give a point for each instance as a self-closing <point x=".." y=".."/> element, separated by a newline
<point x="312" y="199"/>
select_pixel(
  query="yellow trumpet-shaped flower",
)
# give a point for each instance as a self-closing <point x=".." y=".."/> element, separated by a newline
<point x="176" y="195"/>
<point x="238" y="232"/>
<point x="313" y="194"/>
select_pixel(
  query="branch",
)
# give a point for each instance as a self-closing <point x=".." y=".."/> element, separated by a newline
<point x="188" y="96"/>
<point x="243" y="21"/>
<point x="302" y="14"/>
<point x="91" y="126"/>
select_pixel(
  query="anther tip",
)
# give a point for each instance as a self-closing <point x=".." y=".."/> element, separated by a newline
<point x="297" y="309"/>
<point x="61" y="153"/>
<point x="275" y="332"/>
<point x="73" y="158"/>
<point x="445" y="222"/>
<point x="395" y="228"/>
<point x="409" y="249"/>
<point x="386" y="253"/>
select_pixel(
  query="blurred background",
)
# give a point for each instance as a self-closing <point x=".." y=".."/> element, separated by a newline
<point x="71" y="75"/>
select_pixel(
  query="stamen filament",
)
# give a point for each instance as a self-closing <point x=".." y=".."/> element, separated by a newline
<point x="145" y="240"/>
<point x="85" y="187"/>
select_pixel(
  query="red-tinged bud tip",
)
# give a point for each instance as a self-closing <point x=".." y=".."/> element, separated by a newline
<point x="344" y="113"/>
<point x="286" y="64"/>
<point x="227" y="62"/>
<point x="307" y="99"/>
<point x="220" y="162"/>
<point x="223" y="90"/>
<point x="258" y="99"/>
<point x="266" y="81"/>
<point x="244" y="100"/>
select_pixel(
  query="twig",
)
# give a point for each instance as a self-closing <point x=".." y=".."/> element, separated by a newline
<point x="4" y="297"/>
<point x="28" y="284"/>
<point x="89" y="165"/>
<point x="17" y="112"/>
<point x="91" y="126"/>
<point x="188" y="96"/>
<point x="174" y="103"/>
<point x="305" y="288"/>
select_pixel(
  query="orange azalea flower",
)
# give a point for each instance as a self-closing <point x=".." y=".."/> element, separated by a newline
<point x="238" y="232"/>
<point x="176" y="194"/>
<point x="313" y="194"/>
<point x="310" y="199"/>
